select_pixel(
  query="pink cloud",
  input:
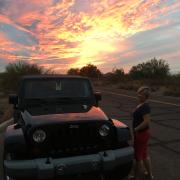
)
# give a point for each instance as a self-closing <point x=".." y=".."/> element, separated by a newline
<point x="66" y="32"/>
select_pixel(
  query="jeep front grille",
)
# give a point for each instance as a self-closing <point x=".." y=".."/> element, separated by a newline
<point x="74" y="138"/>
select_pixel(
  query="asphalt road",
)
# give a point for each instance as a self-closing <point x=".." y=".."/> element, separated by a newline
<point x="165" y="129"/>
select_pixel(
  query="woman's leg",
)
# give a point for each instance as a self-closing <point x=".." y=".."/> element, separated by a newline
<point x="131" y="174"/>
<point x="138" y="170"/>
<point x="147" y="165"/>
<point x="147" y="159"/>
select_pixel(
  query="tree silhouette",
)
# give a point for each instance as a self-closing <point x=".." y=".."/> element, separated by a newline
<point x="73" y="71"/>
<point x="150" y="69"/>
<point x="14" y="71"/>
<point x="116" y="75"/>
<point x="91" y="71"/>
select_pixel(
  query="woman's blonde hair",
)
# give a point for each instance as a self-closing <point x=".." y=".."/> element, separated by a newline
<point x="144" y="90"/>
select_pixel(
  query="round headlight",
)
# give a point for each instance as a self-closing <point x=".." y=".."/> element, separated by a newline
<point x="104" y="130"/>
<point x="39" y="136"/>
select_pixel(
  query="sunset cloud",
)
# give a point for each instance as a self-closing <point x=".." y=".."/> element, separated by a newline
<point x="60" y="34"/>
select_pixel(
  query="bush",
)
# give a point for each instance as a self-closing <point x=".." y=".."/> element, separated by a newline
<point x="73" y="71"/>
<point x="172" y="91"/>
<point x="130" y="85"/>
<point x="13" y="73"/>
<point x="152" y="69"/>
<point x="117" y="75"/>
<point x="1" y="80"/>
<point x="90" y="71"/>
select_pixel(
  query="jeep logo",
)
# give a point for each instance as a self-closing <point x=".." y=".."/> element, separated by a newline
<point x="73" y="126"/>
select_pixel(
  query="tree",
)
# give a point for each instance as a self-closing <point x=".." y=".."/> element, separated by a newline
<point x="116" y="75"/>
<point x="14" y="71"/>
<point x="73" y="71"/>
<point x="150" y="69"/>
<point x="118" y="72"/>
<point x="91" y="71"/>
<point x="1" y="80"/>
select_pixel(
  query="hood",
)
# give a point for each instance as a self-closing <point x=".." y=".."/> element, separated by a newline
<point x="39" y="116"/>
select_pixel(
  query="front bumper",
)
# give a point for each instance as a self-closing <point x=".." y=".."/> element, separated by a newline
<point x="46" y="168"/>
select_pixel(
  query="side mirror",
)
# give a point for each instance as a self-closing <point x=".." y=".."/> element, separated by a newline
<point x="98" y="96"/>
<point x="13" y="99"/>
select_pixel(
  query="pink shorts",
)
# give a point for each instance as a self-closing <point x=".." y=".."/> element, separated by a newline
<point x="141" y="144"/>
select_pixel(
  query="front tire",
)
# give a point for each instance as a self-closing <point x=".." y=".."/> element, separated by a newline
<point x="7" y="156"/>
<point x="8" y="178"/>
<point x="119" y="172"/>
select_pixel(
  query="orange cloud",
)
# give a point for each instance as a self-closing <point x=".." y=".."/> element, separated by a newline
<point x="66" y="32"/>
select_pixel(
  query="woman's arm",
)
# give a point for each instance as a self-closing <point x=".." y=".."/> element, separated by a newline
<point x="144" y="124"/>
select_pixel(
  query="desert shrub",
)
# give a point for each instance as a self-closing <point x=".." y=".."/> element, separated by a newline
<point x="130" y="85"/>
<point x="117" y="75"/>
<point x="1" y="80"/>
<point x="174" y="79"/>
<point x="172" y="91"/>
<point x="90" y="71"/>
<point x="126" y="86"/>
<point x="73" y="71"/>
<point x="13" y="73"/>
<point x="153" y="69"/>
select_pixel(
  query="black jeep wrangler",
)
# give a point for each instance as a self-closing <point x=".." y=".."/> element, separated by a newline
<point x="59" y="131"/>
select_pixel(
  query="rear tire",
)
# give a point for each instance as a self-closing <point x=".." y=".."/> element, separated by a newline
<point x="119" y="172"/>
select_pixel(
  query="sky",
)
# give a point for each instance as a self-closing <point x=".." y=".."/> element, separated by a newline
<point x="64" y="34"/>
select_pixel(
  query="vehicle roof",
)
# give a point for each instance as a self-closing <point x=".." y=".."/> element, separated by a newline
<point x="49" y="76"/>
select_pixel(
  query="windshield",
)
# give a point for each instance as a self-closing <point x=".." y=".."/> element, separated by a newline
<point x="59" y="88"/>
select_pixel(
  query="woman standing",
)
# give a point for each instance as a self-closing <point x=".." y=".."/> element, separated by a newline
<point x="141" y="121"/>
